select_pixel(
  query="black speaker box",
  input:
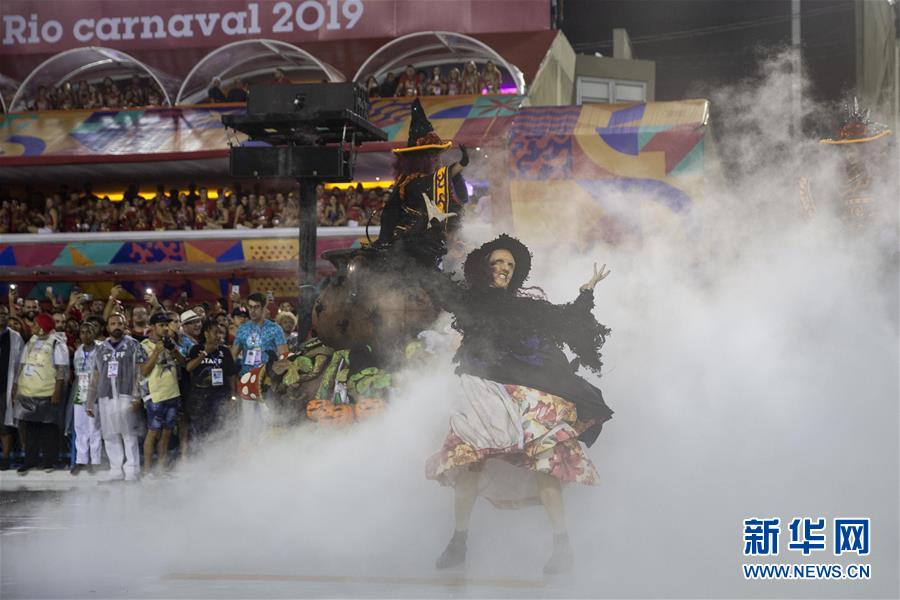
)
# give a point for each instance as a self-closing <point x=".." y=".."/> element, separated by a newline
<point x="312" y="162"/>
<point x="307" y="99"/>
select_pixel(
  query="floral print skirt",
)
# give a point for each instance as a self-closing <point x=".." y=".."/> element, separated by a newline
<point x="548" y="429"/>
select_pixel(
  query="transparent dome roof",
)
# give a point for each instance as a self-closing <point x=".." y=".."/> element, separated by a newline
<point x="8" y="87"/>
<point x="91" y="63"/>
<point x="433" y="48"/>
<point x="253" y="61"/>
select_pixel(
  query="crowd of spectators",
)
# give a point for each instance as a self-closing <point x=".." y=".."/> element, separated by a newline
<point x="125" y="93"/>
<point x="438" y="81"/>
<point x="237" y="92"/>
<point x="143" y="91"/>
<point x="70" y="210"/>
<point x="174" y="366"/>
<point x="353" y="206"/>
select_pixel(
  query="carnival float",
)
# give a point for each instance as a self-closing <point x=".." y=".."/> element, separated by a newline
<point x="369" y="313"/>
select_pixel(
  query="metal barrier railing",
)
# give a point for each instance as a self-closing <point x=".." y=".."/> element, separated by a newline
<point x="183" y="235"/>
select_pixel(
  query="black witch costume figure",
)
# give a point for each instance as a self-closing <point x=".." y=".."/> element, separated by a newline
<point x="523" y="408"/>
<point x="423" y="209"/>
<point x="864" y="144"/>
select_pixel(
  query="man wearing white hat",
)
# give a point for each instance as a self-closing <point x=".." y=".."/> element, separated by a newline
<point x="191" y="324"/>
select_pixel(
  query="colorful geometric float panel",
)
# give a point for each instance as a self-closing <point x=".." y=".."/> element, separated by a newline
<point x="204" y="269"/>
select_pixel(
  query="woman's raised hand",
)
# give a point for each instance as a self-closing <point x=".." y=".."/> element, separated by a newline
<point x="598" y="276"/>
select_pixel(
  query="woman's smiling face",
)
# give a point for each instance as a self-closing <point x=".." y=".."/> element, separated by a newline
<point x="502" y="265"/>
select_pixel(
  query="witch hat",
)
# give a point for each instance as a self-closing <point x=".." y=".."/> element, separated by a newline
<point x="477" y="270"/>
<point x="421" y="134"/>
<point x="858" y="128"/>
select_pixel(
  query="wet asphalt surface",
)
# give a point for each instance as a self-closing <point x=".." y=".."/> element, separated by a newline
<point x="29" y="518"/>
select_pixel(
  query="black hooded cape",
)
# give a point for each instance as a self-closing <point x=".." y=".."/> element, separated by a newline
<point x="518" y="339"/>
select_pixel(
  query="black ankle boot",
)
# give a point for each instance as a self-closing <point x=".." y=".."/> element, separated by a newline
<point x="455" y="552"/>
<point x="563" y="558"/>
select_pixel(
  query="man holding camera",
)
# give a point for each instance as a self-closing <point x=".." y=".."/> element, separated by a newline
<point x="161" y="372"/>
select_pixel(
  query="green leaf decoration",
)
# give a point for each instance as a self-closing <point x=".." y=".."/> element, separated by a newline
<point x="363" y="385"/>
<point x="304" y="364"/>
<point x="379" y="382"/>
<point x="320" y="351"/>
<point x="412" y="349"/>
<point x="321" y="361"/>
<point x="292" y="375"/>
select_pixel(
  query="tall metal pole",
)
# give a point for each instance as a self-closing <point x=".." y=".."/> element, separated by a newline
<point x="307" y="255"/>
<point x="796" y="74"/>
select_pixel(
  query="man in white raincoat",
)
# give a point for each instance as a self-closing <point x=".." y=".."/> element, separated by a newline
<point x="114" y="393"/>
<point x="11" y="345"/>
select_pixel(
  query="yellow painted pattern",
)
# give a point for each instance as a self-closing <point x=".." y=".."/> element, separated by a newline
<point x="193" y="254"/>
<point x="441" y="189"/>
<point x="271" y="249"/>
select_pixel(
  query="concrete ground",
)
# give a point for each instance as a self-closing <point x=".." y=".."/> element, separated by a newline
<point x="40" y="507"/>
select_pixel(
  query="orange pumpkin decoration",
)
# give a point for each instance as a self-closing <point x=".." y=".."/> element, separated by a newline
<point x="369" y="407"/>
<point x="315" y="409"/>
<point x="329" y="414"/>
<point x="341" y="416"/>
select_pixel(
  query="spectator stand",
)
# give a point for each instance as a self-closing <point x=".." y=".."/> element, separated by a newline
<point x="93" y="65"/>
<point x="252" y="61"/>
<point x="444" y="49"/>
<point x="87" y="145"/>
<point x="531" y="157"/>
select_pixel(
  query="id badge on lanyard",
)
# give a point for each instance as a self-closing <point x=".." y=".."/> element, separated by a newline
<point x="216" y="376"/>
<point x="83" y="381"/>
<point x="254" y="356"/>
<point x="254" y="353"/>
<point x="112" y="369"/>
<point x="31" y="368"/>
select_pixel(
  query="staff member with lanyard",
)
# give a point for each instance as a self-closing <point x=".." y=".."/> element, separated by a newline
<point x="88" y="441"/>
<point x="257" y="337"/>
<point x="253" y="342"/>
<point x="38" y="395"/>
<point x="115" y="391"/>
<point x="212" y="370"/>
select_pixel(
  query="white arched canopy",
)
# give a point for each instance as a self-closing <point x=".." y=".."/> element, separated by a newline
<point x="92" y="64"/>
<point x="8" y="87"/>
<point x="253" y="61"/>
<point x="435" y="48"/>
